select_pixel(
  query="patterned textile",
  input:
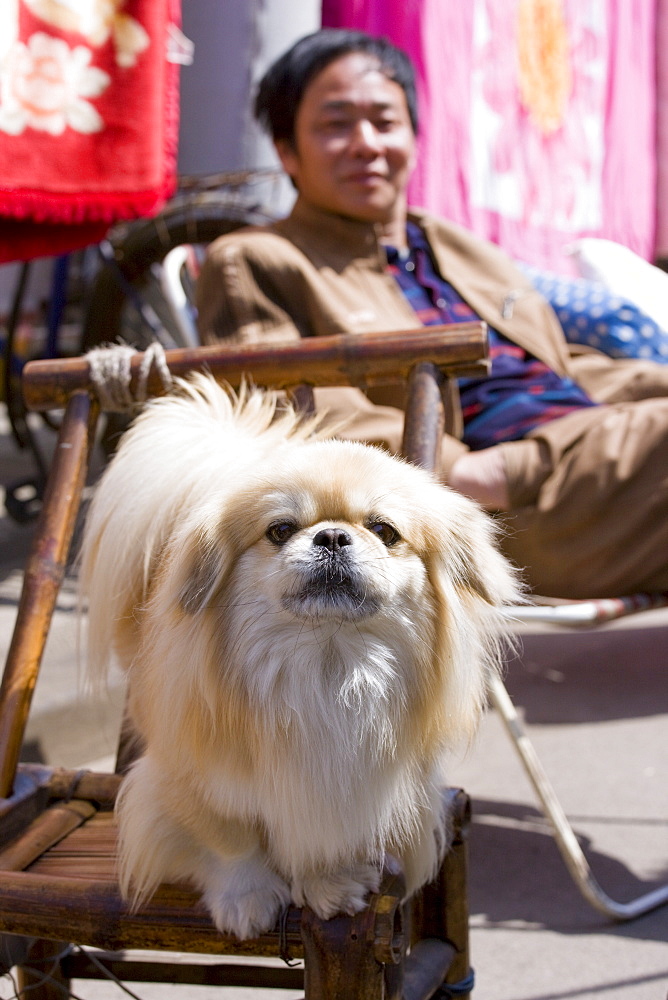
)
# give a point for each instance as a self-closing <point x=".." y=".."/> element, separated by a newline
<point x="537" y="116"/>
<point x="88" y="118"/>
<point x="520" y="393"/>
<point x="593" y="315"/>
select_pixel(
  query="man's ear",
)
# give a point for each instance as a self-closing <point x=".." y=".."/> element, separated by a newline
<point x="287" y="154"/>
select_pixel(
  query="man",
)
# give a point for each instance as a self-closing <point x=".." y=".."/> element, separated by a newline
<point x="570" y="451"/>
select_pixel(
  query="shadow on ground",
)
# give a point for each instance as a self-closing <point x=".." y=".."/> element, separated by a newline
<point x="516" y="869"/>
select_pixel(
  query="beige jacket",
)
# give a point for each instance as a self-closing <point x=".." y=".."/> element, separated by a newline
<point x="315" y="273"/>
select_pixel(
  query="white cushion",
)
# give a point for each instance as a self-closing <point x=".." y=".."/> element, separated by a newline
<point x="624" y="273"/>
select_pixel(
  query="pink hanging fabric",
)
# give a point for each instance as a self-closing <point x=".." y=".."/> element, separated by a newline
<point x="537" y="116"/>
<point x="662" y="128"/>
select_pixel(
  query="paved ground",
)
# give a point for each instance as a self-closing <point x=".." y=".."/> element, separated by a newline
<point x="596" y="703"/>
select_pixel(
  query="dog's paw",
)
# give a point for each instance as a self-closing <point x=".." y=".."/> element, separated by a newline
<point x="245" y="898"/>
<point x="344" y="890"/>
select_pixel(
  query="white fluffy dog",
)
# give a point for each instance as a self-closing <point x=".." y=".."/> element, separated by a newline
<point x="307" y="625"/>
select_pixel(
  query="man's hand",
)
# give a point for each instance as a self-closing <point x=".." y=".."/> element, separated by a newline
<point x="481" y="475"/>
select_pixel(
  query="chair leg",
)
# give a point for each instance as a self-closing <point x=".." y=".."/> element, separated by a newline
<point x="360" y="956"/>
<point x="41" y="976"/>
<point x="338" y="962"/>
<point x="567" y="842"/>
<point x="441" y="910"/>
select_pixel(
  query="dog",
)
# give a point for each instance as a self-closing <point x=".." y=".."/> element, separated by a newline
<point x="308" y="626"/>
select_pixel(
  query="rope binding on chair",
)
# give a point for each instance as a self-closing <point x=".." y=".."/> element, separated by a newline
<point x="110" y="373"/>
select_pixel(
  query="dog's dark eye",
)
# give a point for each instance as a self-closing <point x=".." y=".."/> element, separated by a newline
<point x="386" y="532"/>
<point x="280" y="532"/>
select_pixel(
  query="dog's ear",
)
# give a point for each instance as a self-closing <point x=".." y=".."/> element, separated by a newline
<point x="464" y="543"/>
<point x="209" y="544"/>
<point x="204" y="576"/>
<point x="200" y="564"/>
<point x="481" y="565"/>
<point x="471" y="581"/>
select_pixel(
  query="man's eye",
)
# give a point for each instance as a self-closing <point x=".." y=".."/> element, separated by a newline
<point x="334" y="122"/>
<point x="386" y="532"/>
<point x="281" y="531"/>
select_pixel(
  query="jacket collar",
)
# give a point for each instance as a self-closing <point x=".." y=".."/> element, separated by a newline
<point x="482" y="275"/>
<point x="336" y="237"/>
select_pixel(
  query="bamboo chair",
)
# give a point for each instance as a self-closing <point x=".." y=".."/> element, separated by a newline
<point x="58" y="890"/>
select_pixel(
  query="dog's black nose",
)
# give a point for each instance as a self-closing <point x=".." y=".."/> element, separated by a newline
<point x="332" y="539"/>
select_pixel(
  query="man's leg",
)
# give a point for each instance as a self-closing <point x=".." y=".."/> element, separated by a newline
<point x="598" y="523"/>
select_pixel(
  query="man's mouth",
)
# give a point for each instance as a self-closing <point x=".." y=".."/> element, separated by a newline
<point x="366" y="178"/>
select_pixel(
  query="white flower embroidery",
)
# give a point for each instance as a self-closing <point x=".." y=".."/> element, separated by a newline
<point x="44" y="85"/>
<point x="97" y="21"/>
<point x="130" y="39"/>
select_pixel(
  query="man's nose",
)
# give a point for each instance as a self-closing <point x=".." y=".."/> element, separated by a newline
<point x="365" y="137"/>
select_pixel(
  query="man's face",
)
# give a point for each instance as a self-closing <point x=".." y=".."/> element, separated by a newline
<point x="354" y="145"/>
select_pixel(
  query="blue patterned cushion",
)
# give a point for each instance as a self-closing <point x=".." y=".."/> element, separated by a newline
<point x="591" y="314"/>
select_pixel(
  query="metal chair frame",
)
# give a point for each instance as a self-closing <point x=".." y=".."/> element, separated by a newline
<point x="573" y="613"/>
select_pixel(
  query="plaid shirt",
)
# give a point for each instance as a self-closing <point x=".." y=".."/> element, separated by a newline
<point x="520" y="392"/>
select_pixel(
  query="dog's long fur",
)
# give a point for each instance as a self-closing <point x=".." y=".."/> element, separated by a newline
<point x="308" y="625"/>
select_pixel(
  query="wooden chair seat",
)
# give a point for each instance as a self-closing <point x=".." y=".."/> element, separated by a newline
<point x="62" y="867"/>
<point x="57" y="828"/>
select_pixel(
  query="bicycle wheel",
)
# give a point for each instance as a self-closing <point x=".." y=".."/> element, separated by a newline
<point x="127" y="299"/>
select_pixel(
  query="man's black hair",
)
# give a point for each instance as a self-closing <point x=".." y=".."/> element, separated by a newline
<point x="282" y="87"/>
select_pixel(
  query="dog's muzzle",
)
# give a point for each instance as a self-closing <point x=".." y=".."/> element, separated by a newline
<point x="331" y="584"/>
